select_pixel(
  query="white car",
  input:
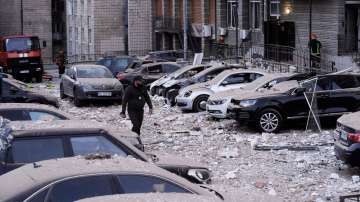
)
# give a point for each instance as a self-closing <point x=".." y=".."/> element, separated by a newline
<point x="194" y="97"/>
<point x="218" y="103"/>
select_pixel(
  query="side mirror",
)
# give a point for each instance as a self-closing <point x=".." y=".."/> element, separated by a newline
<point x="300" y="91"/>
<point x="44" y="44"/>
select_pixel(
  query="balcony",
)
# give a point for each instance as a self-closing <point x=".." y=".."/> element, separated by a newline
<point x="167" y="24"/>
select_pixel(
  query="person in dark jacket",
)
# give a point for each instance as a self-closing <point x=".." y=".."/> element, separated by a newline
<point x="134" y="99"/>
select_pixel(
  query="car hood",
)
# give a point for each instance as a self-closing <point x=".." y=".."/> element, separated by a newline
<point x="172" y="160"/>
<point x="98" y="82"/>
<point x="228" y="94"/>
<point x="162" y="80"/>
<point x="194" y="87"/>
<point x="350" y="120"/>
<point x="173" y="82"/>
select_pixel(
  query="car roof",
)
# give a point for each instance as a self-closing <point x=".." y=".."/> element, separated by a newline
<point x="217" y="66"/>
<point x="88" y="66"/>
<point x="56" y="127"/>
<point x="152" y="197"/>
<point x="25" y="178"/>
<point x="32" y="106"/>
<point x="235" y="70"/>
<point x="159" y="63"/>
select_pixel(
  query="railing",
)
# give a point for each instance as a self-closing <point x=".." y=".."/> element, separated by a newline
<point x="166" y="24"/>
<point x="283" y="58"/>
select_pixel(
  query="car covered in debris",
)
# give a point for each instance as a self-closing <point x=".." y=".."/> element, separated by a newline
<point x="90" y="82"/>
<point x="347" y="139"/>
<point x="14" y="91"/>
<point x="72" y="179"/>
<point x="150" y="72"/>
<point x="171" y="88"/>
<point x="116" y="64"/>
<point x="183" y="73"/>
<point x="218" y="103"/>
<point x="335" y="95"/>
<point x="35" y="141"/>
<point x="165" y="56"/>
<point x="194" y="97"/>
<point x="31" y="112"/>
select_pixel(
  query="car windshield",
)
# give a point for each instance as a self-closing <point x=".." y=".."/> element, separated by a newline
<point x="93" y="72"/>
<point x="19" y="84"/>
<point x="22" y="44"/>
<point x="119" y="65"/>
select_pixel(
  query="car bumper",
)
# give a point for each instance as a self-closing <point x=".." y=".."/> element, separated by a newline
<point x="243" y="115"/>
<point x="218" y="111"/>
<point x="342" y="152"/>
<point x="184" y="103"/>
<point x="94" y="95"/>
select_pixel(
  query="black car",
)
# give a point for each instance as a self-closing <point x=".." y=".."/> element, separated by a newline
<point x="18" y="92"/>
<point x="31" y="112"/>
<point x="347" y="139"/>
<point x="150" y="72"/>
<point x="67" y="138"/>
<point x="335" y="95"/>
<point x="116" y="64"/>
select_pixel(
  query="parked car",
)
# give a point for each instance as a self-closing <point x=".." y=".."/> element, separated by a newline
<point x="116" y="64"/>
<point x="182" y="73"/>
<point x="72" y="179"/>
<point x="31" y="112"/>
<point x="153" y="197"/>
<point x="90" y="82"/>
<point x="165" y="56"/>
<point x="347" y="139"/>
<point x="218" y="103"/>
<point x="32" y="141"/>
<point x="269" y="110"/>
<point x="194" y="97"/>
<point x="150" y="72"/>
<point x="19" y="92"/>
<point x="172" y="87"/>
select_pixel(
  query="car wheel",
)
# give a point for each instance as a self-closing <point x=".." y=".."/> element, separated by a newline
<point x="39" y="78"/>
<point x="200" y="103"/>
<point x="270" y="121"/>
<point x="62" y="94"/>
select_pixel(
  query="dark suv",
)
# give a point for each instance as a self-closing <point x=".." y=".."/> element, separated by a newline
<point x="268" y="110"/>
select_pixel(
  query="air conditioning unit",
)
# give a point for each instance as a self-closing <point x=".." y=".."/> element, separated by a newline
<point x="206" y="31"/>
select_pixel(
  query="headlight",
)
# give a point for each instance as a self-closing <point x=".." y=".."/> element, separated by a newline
<point x="247" y="103"/>
<point x="188" y="93"/>
<point x="202" y="175"/>
<point x="87" y="87"/>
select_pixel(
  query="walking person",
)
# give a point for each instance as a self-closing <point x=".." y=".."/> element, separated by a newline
<point x="315" y="46"/>
<point x="134" y="99"/>
<point x="60" y="62"/>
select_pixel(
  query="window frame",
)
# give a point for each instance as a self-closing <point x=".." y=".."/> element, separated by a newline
<point x="255" y="14"/>
<point x="231" y="14"/>
<point x="276" y="3"/>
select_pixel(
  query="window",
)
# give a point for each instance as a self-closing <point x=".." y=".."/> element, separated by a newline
<point x="255" y="14"/>
<point x="322" y="85"/>
<point x="236" y="79"/>
<point x="14" y="115"/>
<point x="170" y="68"/>
<point x="155" y="69"/>
<point x="37" y="116"/>
<point x="94" y="144"/>
<point x="343" y="82"/>
<point x="232" y="14"/>
<point x="39" y="197"/>
<point x="32" y="150"/>
<point x="254" y="76"/>
<point x="80" y="188"/>
<point x="147" y="184"/>
<point x="275" y="8"/>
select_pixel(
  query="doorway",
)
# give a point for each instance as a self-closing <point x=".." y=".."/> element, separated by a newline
<point x="352" y="22"/>
<point x="58" y="26"/>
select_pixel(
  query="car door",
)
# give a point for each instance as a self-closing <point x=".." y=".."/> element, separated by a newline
<point x="14" y="114"/>
<point x="33" y="149"/>
<point x="138" y="183"/>
<point x="343" y="95"/>
<point x="235" y="81"/>
<point x="11" y="93"/>
<point x="81" y="187"/>
<point x="69" y="81"/>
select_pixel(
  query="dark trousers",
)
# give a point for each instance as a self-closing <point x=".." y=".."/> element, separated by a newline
<point x="136" y="117"/>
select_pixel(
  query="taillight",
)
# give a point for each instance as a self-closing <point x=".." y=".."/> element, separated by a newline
<point x="355" y="137"/>
<point x="120" y="76"/>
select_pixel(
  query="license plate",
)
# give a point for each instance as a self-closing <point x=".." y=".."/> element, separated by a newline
<point x="24" y="71"/>
<point x="104" y="94"/>
<point x="343" y="135"/>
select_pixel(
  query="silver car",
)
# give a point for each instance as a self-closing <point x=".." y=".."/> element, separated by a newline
<point x="90" y="82"/>
<point x="194" y="97"/>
